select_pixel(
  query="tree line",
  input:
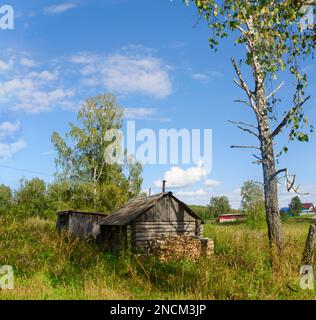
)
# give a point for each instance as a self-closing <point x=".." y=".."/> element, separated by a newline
<point x="252" y="204"/>
<point x="84" y="180"/>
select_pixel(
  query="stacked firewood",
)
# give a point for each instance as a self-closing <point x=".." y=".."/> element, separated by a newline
<point x="180" y="247"/>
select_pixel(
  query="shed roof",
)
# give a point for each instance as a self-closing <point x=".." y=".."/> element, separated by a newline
<point x="134" y="208"/>
<point x="81" y="212"/>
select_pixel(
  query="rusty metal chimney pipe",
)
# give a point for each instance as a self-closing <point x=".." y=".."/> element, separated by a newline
<point x="164" y="186"/>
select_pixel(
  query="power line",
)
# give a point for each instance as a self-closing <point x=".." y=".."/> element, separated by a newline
<point x="26" y="170"/>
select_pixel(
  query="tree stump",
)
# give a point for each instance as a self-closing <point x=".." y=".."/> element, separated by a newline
<point x="308" y="255"/>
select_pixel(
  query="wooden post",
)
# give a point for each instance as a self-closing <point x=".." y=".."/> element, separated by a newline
<point x="308" y="255"/>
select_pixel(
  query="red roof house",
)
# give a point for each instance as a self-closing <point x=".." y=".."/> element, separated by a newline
<point x="308" y="207"/>
<point x="232" y="217"/>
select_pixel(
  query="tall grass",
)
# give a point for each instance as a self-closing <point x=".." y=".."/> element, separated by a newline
<point x="52" y="266"/>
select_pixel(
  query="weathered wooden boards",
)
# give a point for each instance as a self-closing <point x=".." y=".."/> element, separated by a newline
<point x="82" y="224"/>
<point x="166" y="218"/>
<point x="149" y="218"/>
<point x="309" y="251"/>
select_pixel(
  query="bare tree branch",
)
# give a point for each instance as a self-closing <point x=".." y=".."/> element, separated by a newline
<point x="275" y="90"/>
<point x="243" y="124"/>
<point x="258" y="161"/>
<point x="245" y="129"/>
<point x="243" y="101"/>
<point x="249" y="131"/>
<point x="242" y="84"/>
<point x="290" y="180"/>
<point x="285" y="120"/>
<point x="245" y="147"/>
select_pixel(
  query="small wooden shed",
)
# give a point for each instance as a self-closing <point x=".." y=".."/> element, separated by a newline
<point x="82" y="224"/>
<point x="139" y="221"/>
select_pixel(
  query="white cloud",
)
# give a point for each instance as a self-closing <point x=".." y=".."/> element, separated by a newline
<point x="206" y="77"/>
<point x="15" y="85"/>
<point x="139" y="113"/>
<point x="84" y="58"/>
<point x="192" y="194"/>
<point x="7" y="150"/>
<point x="6" y="66"/>
<point x="127" y="73"/>
<point x="211" y="183"/>
<point x="30" y="93"/>
<point x="144" y="114"/>
<point x="216" y="74"/>
<point x="177" y="177"/>
<point x="201" y="77"/>
<point x="32" y="89"/>
<point x="145" y="75"/>
<point x="60" y="8"/>
<point x="39" y="101"/>
<point x="27" y="62"/>
<point x="46" y="75"/>
<point x="7" y="128"/>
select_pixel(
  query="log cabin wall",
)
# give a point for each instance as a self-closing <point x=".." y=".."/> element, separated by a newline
<point x="166" y="217"/>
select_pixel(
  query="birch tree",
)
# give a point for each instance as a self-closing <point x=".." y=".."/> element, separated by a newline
<point x="275" y="38"/>
<point x="81" y="155"/>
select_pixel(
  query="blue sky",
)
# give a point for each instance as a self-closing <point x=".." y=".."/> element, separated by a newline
<point x="155" y="57"/>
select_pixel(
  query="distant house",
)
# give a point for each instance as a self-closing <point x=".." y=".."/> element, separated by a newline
<point x="308" y="208"/>
<point x="82" y="224"/>
<point x="143" y="219"/>
<point x="233" y="217"/>
<point x="286" y="211"/>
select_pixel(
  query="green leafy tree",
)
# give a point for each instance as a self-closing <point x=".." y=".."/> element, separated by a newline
<point x="59" y="196"/>
<point x="219" y="205"/>
<point x="82" y="156"/>
<point x="252" y="203"/>
<point x="135" y="179"/>
<point x="111" y="197"/>
<point x="31" y="197"/>
<point x="273" y="41"/>
<point x="6" y="199"/>
<point x="295" y="205"/>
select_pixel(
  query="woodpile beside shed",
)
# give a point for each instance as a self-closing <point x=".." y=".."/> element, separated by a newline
<point x="180" y="246"/>
<point x="161" y="225"/>
<point x="144" y="219"/>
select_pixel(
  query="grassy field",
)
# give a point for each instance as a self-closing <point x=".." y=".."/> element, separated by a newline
<point x="52" y="266"/>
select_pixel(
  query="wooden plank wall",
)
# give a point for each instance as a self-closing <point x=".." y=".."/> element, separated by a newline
<point x="83" y="225"/>
<point x="167" y="217"/>
<point x="62" y="222"/>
